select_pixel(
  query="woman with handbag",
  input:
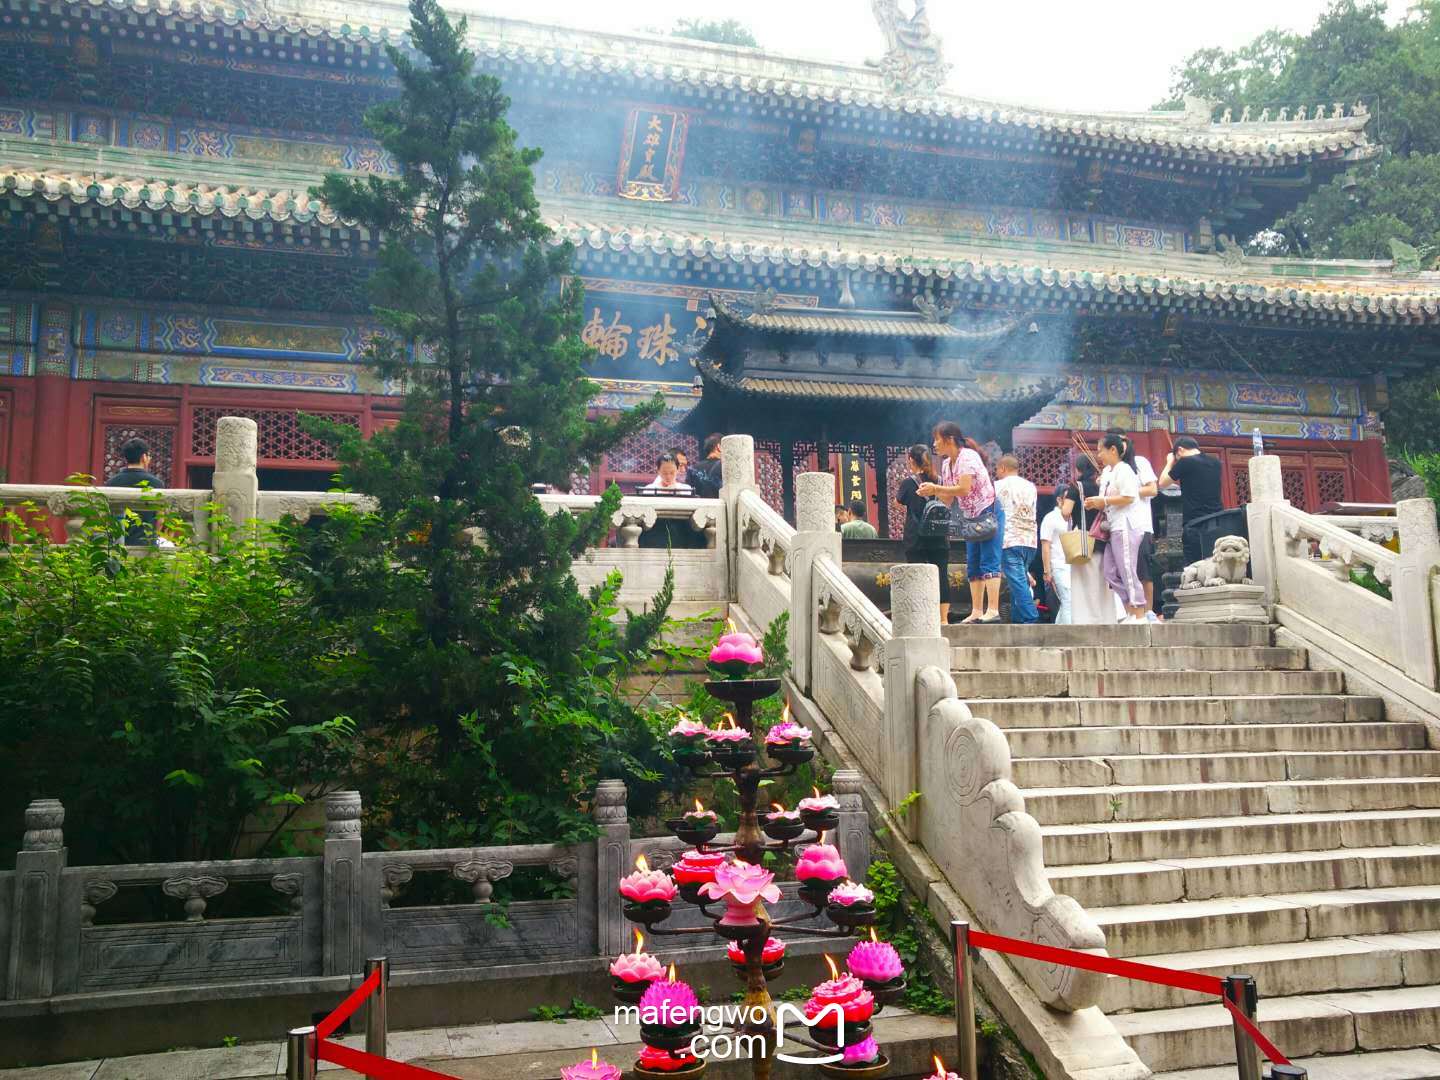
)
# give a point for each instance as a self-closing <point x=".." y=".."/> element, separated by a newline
<point x="1119" y="500"/>
<point x="1091" y="601"/>
<point x="975" y="515"/>
<point x="927" y="523"/>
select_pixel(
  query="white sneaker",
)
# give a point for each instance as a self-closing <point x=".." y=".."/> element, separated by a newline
<point x="1150" y="616"/>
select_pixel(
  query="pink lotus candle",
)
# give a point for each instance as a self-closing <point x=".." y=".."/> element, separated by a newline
<point x="862" y="1053"/>
<point x="657" y="1060"/>
<point x="736" y="655"/>
<point x="594" y="1069"/>
<point x="742" y="886"/>
<point x="787" y="733"/>
<point x="821" y="862"/>
<point x="646" y="885"/>
<point x="668" y="1002"/>
<point x="730" y="734"/>
<point x="838" y="989"/>
<point x="774" y="952"/>
<point x="697" y="868"/>
<point x="700" y="816"/>
<point x="848" y="894"/>
<point x="639" y="966"/>
<point x="875" y="961"/>
<point x="779" y="813"/>
<point x="689" y="730"/>
<point x="819" y="804"/>
<point x="940" y="1072"/>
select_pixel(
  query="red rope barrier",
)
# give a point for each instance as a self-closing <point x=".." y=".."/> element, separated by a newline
<point x="377" y="1068"/>
<point x="347" y="1008"/>
<point x="1129" y="969"/>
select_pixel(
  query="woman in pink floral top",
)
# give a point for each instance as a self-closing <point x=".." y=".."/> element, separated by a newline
<point x="965" y="482"/>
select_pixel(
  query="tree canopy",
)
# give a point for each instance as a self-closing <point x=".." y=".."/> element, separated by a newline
<point x="1350" y="55"/>
<point x="720" y="31"/>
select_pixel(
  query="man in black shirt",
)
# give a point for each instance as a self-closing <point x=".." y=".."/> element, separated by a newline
<point x="136" y="473"/>
<point x="1198" y="475"/>
<point x="704" y="476"/>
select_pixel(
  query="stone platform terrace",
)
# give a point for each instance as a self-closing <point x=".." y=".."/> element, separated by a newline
<point x="534" y="1050"/>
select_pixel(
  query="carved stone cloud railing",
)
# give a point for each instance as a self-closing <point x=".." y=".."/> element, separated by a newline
<point x="301" y="506"/>
<point x="651" y="534"/>
<point x="1378" y="530"/>
<point x="762" y="558"/>
<point x="843" y="609"/>
<point x="465" y="935"/>
<point x="639" y="514"/>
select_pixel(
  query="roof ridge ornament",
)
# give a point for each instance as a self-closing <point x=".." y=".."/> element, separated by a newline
<point x="914" y="60"/>
<point x="926" y="304"/>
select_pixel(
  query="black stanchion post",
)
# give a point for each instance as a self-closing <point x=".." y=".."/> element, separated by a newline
<point x="1288" y="1072"/>
<point x="377" y="1008"/>
<point x="965" y="1002"/>
<point x="1240" y="989"/>
<point x="300" y="1060"/>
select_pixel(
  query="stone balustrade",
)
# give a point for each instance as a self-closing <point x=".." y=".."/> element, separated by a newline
<point x="327" y="912"/>
<point x="1306" y="565"/>
<point x="236" y="492"/>
<point x="1378" y="530"/>
<point x="641" y="514"/>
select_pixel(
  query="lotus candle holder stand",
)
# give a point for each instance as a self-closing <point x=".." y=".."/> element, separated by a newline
<point x="735" y="901"/>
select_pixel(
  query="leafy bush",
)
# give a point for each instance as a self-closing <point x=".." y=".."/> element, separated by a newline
<point x="151" y="692"/>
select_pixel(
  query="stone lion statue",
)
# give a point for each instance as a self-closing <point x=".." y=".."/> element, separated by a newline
<point x="1226" y="565"/>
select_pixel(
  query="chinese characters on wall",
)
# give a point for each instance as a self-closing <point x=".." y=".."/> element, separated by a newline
<point x="652" y="154"/>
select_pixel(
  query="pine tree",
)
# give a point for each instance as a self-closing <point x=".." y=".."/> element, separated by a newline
<point x="470" y="629"/>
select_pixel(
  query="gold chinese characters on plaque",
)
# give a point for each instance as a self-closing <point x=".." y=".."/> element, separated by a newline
<point x="651" y="154"/>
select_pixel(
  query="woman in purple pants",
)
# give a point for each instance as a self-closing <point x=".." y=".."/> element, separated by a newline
<point x="1119" y="499"/>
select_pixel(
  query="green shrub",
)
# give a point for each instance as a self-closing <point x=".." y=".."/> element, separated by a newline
<point x="152" y="692"/>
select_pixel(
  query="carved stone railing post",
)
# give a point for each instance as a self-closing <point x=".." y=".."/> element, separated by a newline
<point x="1267" y="490"/>
<point x="35" y="905"/>
<point x="815" y="538"/>
<point x="237" y="488"/>
<point x="1413" y="584"/>
<point x="737" y="473"/>
<point x="630" y="522"/>
<point x="852" y="836"/>
<point x="915" y="644"/>
<point x="612" y="862"/>
<point x="343" y="951"/>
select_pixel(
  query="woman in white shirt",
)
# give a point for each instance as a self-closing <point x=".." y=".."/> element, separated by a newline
<point x="1119" y="499"/>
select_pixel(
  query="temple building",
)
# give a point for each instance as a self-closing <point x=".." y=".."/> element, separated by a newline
<point x="828" y="257"/>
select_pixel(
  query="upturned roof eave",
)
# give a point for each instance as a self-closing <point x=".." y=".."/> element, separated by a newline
<point x="752" y="71"/>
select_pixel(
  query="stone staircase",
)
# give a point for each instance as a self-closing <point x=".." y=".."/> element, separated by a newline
<point x="1219" y="807"/>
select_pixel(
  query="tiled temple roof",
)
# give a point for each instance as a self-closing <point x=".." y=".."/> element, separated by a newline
<point x="1084" y="273"/>
<point x="162" y="195"/>
<point x="725" y="69"/>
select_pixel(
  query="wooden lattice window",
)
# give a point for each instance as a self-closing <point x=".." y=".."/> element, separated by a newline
<point x="281" y="438"/>
<point x="1242" y="484"/>
<point x="162" y="449"/>
<point x="770" y="473"/>
<point x="639" y="453"/>
<point x="1045" y="466"/>
<point x="897" y="468"/>
<point x="1293" y="481"/>
<point x="1332" y="485"/>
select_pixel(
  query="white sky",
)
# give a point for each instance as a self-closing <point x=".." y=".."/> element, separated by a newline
<point x="1115" y="54"/>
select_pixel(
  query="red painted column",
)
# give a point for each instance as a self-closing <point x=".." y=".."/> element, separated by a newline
<point x="1371" y="473"/>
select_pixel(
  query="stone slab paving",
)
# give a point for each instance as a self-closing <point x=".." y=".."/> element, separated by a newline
<point x="535" y="1049"/>
<point x="1390" y="1065"/>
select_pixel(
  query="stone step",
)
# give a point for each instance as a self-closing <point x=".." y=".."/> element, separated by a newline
<point x="986" y="685"/>
<point x="1163" y="634"/>
<point x="1201" y="1035"/>
<point x="1206" y="878"/>
<point x="1081" y="805"/>
<point x="1140" y="841"/>
<point x="1382" y="1065"/>
<point x="1193" y="925"/>
<point x="1126" y="658"/>
<point x="1141" y="769"/>
<point x="1062" y="712"/>
<point x="1124" y="741"/>
<point x="1330" y="965"/>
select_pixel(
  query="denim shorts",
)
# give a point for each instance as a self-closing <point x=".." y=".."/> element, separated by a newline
<point x="982" y="558"/>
